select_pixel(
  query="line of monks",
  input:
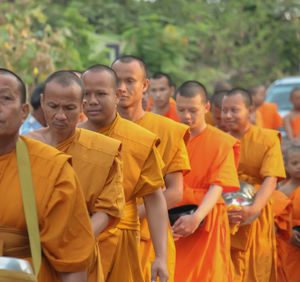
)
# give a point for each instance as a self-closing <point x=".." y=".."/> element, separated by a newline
<point x="103" y="187"/>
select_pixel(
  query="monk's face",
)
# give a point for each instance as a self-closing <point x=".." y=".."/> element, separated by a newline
<point x="160" y="92"/>
<point x="217" y="116"/>
<point x="295" y="99"/>
<point x="132" y="83"/>
<point x="12" y="112"/>
<point x="259" y="97"/>
<point x="101" y="97"/>
<point x="235" y="114"/>
<point x="293" y="165"/>
<point x="62" y="106"/>
<point x="191" y="111"/>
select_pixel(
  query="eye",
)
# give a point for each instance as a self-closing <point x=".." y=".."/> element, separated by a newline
<point x="70" y="108"/>
<point x="52" y="106"/>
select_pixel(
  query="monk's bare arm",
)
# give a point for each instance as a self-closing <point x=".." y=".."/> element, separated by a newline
<point x="288" y="127"/>
<point x="186" y="225"/>
<point x="157" y="215"/>
<point x="99" y="222"/>
<point x="73" y="276"/>
<point x="174" y="188"/>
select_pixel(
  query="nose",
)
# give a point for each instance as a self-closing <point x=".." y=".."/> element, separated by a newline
<point x="225" y="115"/>
<point x="93" y="100"/>
<point x="60" y="115"/>
<point x="122" y="86"/>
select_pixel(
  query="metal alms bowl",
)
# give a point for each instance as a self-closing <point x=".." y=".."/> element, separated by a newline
<point x="244" y="197"/>
<point x="15" y="264"/>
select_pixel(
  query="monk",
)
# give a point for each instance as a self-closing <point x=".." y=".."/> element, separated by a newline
<point x="203" y="253"/>
<point x="216" y="110"/>
<point x="292" y="120"/>
<point x="62" y="104"/>
<point x="131" y="72"/>
<point x="161" y="89"/>
<point x="267" y="114"/>
<point x="253" y="247"/>
<point x="142" y="178"/>
<point x="290" y="246"/>
<point x="66" y="235"/>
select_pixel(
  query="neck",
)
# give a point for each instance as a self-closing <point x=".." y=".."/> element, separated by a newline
<point x="239" y="133"/>
<point x="131" y="113"/>
<point x="8" y="144"/>
<point x="295" y="182"/>
<point x="53" y="137"/>
<point x="39" y="116"/>
<point x="95" y="126"/>
<point x="161" y="111"/>
<point x="195" y="131"/>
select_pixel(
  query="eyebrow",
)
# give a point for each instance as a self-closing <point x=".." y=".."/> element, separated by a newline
<point x="5" y="90"/>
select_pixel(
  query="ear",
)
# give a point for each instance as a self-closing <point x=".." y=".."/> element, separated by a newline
<point x="24" y="112"/>
<point x="84" y="103"/>
<point x="42" y="101"/>
<point x="145" y="85"/>
<point x="251" y="109"/>
<point x="172" y="91"/>
<point x="118" y="95"/>
<point x="207" y="107"/>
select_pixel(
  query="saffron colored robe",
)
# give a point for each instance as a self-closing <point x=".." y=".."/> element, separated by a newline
<point x="174" y="137"/>
<point x="270" y="116"/>
<point x="66" y="235"/>
<point x="253" y="247"/>
<point x="205" y="254"/>
<point x="119" y="247"/>
<point x="171" y="113"/>
<point x="93" y="153"/>
<point x="291" y="263"/>
<point x="295" y="123"/>
<point x="282" y="209"/>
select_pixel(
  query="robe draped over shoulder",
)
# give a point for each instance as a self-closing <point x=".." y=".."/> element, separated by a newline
<point x="270" y="117"/>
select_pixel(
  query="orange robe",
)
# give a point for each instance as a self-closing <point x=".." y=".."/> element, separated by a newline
<point x="172" y="148"/>
<point x="92" y="153"/>
<point x="291" y="263"/>
<point x="171" y="113"/>
<point x="66" y="235"/>
<point x="119" y="247"/>
<point x="205" y="255"/>
<point x="270" y="116"/>
<point x="282" y="209"/>
<point x="253" y="247"/>
<point x="295" y="123"/>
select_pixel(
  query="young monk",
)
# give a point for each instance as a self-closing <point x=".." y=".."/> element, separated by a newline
<point x="291" y="246"/>
<point x="62" y="104"/>
<point x="142" y="178"/>
<point x="203" y="253"/>
<point x="131" y="72"/>
<point x="63" y="221"/>
<point x="161" y="89"/>
<point x="291" y="121"/>
<point x="261" y="165"/>
<point x="216" y="109"/>
<point x="266" y="114"/>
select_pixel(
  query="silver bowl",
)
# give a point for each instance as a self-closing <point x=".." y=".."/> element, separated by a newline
<point x="15" y="264"/>
<point x="244" y="197"/>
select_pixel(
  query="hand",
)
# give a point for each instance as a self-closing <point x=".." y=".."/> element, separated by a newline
<point x="234" y="216"/>
<point x="159" y="269"/>
<point x="295" y="239"/>
<point x="247" y="212"/>
<point x="185" y="225"/>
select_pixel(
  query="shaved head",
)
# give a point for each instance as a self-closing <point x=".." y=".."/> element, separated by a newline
<point x="217" y="98"/>
<point x="244" y="93"/>
<point x="294" y="148"/>
<point x="192" y="88"/>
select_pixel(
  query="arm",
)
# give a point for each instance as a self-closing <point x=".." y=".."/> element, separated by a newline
<point x="186" y="225"/>
<point x="288" y="128"/>
<point x="73" y="276"/>
<point x="99" y="222"/>
<point x="174" y="188"/>
<point x="157" y="216"/>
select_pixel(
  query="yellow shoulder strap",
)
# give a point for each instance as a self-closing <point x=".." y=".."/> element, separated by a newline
<point x="25" y="176"/>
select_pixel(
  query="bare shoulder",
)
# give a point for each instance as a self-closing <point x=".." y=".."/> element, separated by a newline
<point x="38" y="134"/>
<point x="286" y="188"/>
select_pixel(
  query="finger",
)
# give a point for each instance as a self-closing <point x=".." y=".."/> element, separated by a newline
<point x="154" y="274"/>
<point x="177" y="222"/>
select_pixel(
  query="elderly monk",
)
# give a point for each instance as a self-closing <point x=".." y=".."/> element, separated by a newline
<point x="161" y="89"/>
<point x="253" y="247"/>
<point x="203" y="253"/>
<point x="66" y="235"/>
<point x="290" y="246"/>
<point x="131" y="72"/>
<point x="142" y="178"/>
<point x="62" y="104"/>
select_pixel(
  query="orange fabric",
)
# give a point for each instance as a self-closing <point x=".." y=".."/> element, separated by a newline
<point x="82" y="117"/>
<point x="295" y="123"/>
<point x="209" y="119"/>
<point x="65" y="231"/>
<point x="171" y="113"/>
<point x="142" y="164"/>
<point x="253" y="247"/>
<point x="205" y="255"/>
<point x="291" y="262"/>
<point x="282" y="208"/>
<point x="172" y="149"/>
<point x="270" y="116"/>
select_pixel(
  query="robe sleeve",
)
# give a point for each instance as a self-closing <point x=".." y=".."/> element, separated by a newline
<point x="65" y="230"/>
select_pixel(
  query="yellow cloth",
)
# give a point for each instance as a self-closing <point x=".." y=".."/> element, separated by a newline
<point x="174" y="137"/>
<point x="253" y="247"/>
<point x="93" y="153"/>
<point x="66" y="235"/>
<point x="143" y="165"/>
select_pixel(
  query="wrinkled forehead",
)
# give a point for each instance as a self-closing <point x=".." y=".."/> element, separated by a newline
<point x="9" y="83"/>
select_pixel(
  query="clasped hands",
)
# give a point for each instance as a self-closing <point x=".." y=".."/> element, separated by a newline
<point x="240" y="215"/>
